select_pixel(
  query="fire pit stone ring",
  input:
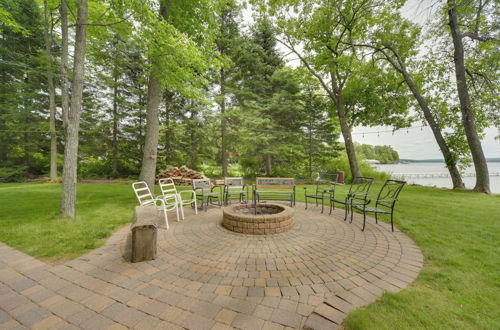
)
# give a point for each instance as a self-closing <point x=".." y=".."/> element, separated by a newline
<point x="260" y="219"/>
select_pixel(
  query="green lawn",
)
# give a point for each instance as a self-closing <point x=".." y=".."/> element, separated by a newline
<point x="458" y="232"/>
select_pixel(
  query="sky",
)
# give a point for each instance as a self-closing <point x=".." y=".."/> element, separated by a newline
<point x="414" y="143"/>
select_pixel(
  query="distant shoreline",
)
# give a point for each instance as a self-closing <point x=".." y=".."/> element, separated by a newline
<point x="489" y="160"/>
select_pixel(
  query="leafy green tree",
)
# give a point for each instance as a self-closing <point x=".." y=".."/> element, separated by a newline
<point x="470" y="19"/>
<point x="23" y="106"/>
<point x="226" y="43"/>
<point x="269" y="101"/>
<point x="321" y="130"/>
<point x="395" y="41"/>
<point x="185" y="31"/>
<point x="320" y="34"/>
<point x="384" y="154"/>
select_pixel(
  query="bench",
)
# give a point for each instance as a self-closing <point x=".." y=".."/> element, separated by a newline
<point x="144" y="232"/>
<point x="282" y="189"/>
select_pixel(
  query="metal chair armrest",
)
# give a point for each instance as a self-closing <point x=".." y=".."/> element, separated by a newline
<point x="163" y="198"/>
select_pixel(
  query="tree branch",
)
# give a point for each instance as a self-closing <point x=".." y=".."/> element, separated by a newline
<point x="475" y="36"/>
<point x="108" y="24"/>
<point x="307" y="65"/>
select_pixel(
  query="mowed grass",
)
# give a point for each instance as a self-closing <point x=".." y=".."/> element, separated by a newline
<point x="458" y="232"/>
<point x="30" y="222"/>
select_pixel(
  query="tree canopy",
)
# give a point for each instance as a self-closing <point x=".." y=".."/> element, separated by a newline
<point x="167" y="83"/>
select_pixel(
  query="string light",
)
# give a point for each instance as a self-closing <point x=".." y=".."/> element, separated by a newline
<point x="387" y="131"/>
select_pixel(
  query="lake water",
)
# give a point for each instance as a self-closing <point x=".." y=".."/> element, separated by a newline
<point x="440" y="168"/>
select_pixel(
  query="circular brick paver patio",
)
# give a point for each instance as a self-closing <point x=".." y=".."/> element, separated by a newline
<point x="206" y="277"/>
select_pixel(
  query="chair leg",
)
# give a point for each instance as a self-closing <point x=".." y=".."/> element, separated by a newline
<point x="322" y="205"/>
<point x="392" y="223"/>
<point x="330" y="208"/>
<point x="195" y="206"/>
<point x="364" y="220"/>
<point x="306" y="202"/>
<point x="182" y="210"/>
<point x="352" y="214"/>
<point x="165" y="215"/>
<point x="177" y="212"/>
<point x="376" y="218"/>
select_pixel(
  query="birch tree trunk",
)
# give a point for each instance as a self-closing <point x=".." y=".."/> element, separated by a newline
<point x="480" y="165"/>
<point x="150" y="151"/>
<point x="223" y="124"/>
<point x="68" y="195"/>
<point x="52" y="94"/>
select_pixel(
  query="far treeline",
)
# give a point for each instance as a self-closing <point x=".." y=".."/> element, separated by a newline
<point x="121" y="88"/>
<point x="384" y="154"/>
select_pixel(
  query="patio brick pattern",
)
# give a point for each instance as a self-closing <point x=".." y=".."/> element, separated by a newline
<point x="206" y="277"/>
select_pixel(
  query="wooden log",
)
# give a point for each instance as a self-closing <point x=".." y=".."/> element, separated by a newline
<point x="144" y="233"/>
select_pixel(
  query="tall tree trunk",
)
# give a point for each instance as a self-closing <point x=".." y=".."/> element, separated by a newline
<point x="224" y="155"/>
<point x="169" y="134"/>
<point x="64" y="64"/>
<point x="150" y="151"/>
<point x="269" y="165"/>
<point x="480" y="165"/>
<point x="449" y="157"/>
<point x="310" y="151"/>
<point x="68" y="195"/>
<point x="345" y="128"/>
<point x="193" y="150"/>
<point x="114" y="165"/>
<point x="52" y="94"/>
<point x="349" y="144"/>
<point x="141" y="126"/>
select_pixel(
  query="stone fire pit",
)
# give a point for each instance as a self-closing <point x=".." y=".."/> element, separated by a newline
<point x="270" y="218"/>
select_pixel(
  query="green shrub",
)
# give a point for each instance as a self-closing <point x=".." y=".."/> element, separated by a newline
<point x="11" y="174"/>
<point x="92" y="167"/>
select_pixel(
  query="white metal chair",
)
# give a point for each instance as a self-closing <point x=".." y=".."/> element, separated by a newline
<point x="145" y="198"/>
<point x="168" y="188"/>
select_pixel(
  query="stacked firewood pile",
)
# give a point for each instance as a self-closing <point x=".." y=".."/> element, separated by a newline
<point x="182" y="176"/>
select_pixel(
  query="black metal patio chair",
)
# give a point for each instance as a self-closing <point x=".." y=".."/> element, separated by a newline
<point x="235" y="187"/>
<point x="386" y="200"/>
<point x="323" y="191"/>
<point x="358" y="194"/>
<point x="205" y="192"/>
